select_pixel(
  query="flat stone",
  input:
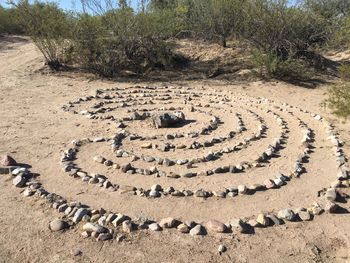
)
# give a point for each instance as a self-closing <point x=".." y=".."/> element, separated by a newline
<point x="263" y="220"/>
<point x="238" y="225"/>
<point x="286" y="214"/>
<point x="58" y="225"/>
<point x="99" y="159"/>
<point x="79" y="215"/>
<point x="119" y="219"/>
<point x="19" y="181"/>
<point x="7" y="160"/>
<point x="183" y="228"/>
<point x="168" y="222"/>
<point x="92" y="227"/>
<point x="269" y="184"/>
<point x="127" y="226"/>
<point x="215" y="226"/>
<point x="197" y="230"/>
<point x="242" y="189"/>
<point x="304" y="215"/>
<point x="154" y="227"/>
<point x="104" y="237"/>
<point x="146" y="146"/>
<point x="274" y="219"/>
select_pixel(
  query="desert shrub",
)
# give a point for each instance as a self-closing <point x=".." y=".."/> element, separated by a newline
<point x="266" y="63"/>
<point x="8" y="21"/>
<point x="276" y="27"/>
<point x="215" y="18"/>
<point x="120" y="40"/>
<point x="269" y="65"/>
<point x="344" y="72"/>
<point x="48" y="26"/>
<point x="339" y="100"/>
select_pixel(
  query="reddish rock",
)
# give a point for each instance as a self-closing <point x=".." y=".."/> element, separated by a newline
<point x="215" y="226"/>
<point x="7" y="160"/>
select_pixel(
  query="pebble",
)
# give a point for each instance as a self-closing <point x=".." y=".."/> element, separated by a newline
<point x="286" y="214"/>
<point x="215" y="226"/>
<point x="242" y="189"/>
<point x="263" y="220"/>
<point x="304" y="215"/>
<point x="99" y="159"/>
<point x="168" y="222"/>
<point x="92" y="227"/>
<point x="79" y="215"/>
<point x="58" y="225"/>
<point x="127" y="226"/>
<point x="7" y="160"/>
<point x="197" y="230"/>
<point x="222" y="249"/>
<point x="104" y="237"/>
<point x="183" y="228"/>
<point x="19" y="181"/>
<point x="154" y="227"/>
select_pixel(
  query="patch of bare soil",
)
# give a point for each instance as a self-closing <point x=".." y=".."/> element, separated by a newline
<point x="35" y="130"/>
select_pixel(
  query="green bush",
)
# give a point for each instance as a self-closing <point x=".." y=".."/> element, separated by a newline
<point x="8" y="22"/>
<point x="276" y="27"/>
<point x="48" y="26"/>
<point x="120" y="40"/>
<point x="269" y="65"/>
<point x="344" y="72"/>
<point x="339" y="100"/>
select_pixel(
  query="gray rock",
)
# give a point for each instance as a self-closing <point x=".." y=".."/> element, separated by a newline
<point x="19" y="181"/>
<point x="197" y="230"/>
<point x="166" y="120"/>
<point x="154" y="227"/>
<point x="286" y="214"/>
<point x="80" y="214"/>
<point x="58" y="225"/>
<point x="91" y="227"/>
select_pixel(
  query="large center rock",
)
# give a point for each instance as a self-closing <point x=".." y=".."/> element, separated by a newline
<point x="167" y="119"/>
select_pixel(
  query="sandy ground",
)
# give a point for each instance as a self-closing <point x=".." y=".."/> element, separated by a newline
<point x="34" y="129"/>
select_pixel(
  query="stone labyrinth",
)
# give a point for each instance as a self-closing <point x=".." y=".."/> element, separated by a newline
<point x="177" y="144"/>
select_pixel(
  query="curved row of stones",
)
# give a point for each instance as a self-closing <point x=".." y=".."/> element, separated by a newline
<point x="157" y="190"/>
<point x="105" y="225"/>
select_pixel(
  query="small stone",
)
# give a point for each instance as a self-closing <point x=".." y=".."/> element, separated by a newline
<point x="58" y="225"/>
<point x="331" y="194"/>
<point x="127" y="226"/>
<point x="215" y="226"/>
<point x="269" y="184"/>
<point x="146" y="146"/>
<point x="168" y="222"/>
<point x="104" y="237"/>
<point x="7" y="160"/>
<point x="99" y="159"/>
<point x="304" y="215"/>
<point x="263" y="220"/>
<point x="286" y="214"/>
<point x="197" y="230"/>
<point x="91" y="227"/>
<point x="156" y="187"/>
<point x="28" y="192"/>
<point x="242" y="189"/>
<point x="19" y="181"/>
<point x="79" y="215"/>
<point x="120" y="219"/>
<point x="154" y="227"/>
<point x="183" y="228"/>
<point x="222" y="249"/>
<point x="238" y="225"/>
<point x="274" y="219"/>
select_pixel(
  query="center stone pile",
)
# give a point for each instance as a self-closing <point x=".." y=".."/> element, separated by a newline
<point x="166" y="120"/>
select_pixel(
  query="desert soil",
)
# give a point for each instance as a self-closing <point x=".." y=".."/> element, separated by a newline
<point x="34" y="129"/>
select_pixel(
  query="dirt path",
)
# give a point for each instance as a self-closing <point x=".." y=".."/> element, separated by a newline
<point x="34" y="130"/>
